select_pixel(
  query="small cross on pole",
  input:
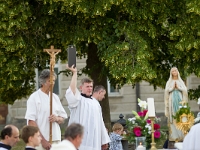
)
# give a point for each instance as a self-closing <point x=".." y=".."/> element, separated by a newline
<point x="52" y="52"/>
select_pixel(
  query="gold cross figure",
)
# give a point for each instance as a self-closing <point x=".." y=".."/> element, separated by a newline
<point x="52" y="52"/>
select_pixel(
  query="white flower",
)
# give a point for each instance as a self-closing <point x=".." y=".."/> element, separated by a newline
<point x="148" y="126"/>
<point x="180" y="106"/>
<point x="129" y="119"/>
<point x="185" y="106"/>
<point x="142" y="104"/>
<point x="132" y="120"/>
<point x="149" y="132"/>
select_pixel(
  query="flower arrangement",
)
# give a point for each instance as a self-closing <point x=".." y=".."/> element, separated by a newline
<point x="140" y="125"/>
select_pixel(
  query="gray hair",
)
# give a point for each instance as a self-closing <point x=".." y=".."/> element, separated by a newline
<point x="73" y="131"/>
<point x="98" y="88"/>
<point x="44" y="76"/>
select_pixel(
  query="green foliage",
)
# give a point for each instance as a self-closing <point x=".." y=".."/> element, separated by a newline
<point x="136" y="39"/>
<point x="17" y="72"/>
<point x="183" y="110"/>
<point x="194" y="94"/>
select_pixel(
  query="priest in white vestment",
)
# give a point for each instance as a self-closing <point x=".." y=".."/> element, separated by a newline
<point x="38" y="111"/>
<point x="191" y="140"/>
<point x="86" y="110"/>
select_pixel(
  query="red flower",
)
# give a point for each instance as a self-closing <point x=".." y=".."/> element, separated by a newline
<point x="141" y="114"/>
<point x="138" y="133"/>
<point x="136" y="129"/>
<point x="148" y="121"/>
<point x="145" y="112"/>
<point x="157" y="134"/>
<point x="156" y="126"/>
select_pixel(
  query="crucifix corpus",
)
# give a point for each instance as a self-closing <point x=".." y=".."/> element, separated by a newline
<point x="52" y="52"/>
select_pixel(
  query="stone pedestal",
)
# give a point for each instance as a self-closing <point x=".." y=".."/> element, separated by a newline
<point x="124" y="144"/>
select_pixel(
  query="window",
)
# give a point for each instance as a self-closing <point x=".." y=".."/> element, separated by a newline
<point x="113" y="91"/>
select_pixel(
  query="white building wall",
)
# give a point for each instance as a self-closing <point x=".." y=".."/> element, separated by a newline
<point x="123" y="103"/>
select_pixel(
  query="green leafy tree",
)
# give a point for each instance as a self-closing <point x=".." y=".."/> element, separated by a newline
<point x="125" y="40"/>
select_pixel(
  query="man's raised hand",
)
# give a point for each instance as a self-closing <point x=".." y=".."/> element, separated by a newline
<point x="72" y="68"/>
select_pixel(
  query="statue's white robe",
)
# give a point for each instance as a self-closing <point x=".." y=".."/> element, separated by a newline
<point x="174" y="133"/>
<point x="191" y="140"/>
<point x="87" y="112"/>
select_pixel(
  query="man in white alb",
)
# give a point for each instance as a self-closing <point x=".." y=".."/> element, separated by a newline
<point x="38" y="111"/>
<point x="85" y="110"/>
<point x="191" y="140"/>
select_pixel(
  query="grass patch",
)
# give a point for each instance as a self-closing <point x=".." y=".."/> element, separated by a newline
<point x="19" y="146"/>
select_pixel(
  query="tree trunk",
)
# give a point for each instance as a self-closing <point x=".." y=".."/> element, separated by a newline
<point x="94" y="64"/>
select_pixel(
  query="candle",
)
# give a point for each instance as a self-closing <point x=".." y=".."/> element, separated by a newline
<point x="151" y="107"/>
<point x="141" y="147"/>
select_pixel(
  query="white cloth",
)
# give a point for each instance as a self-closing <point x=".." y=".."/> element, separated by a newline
<point x="88" y="113"/>
<point x="179" y="145"/>
<point x="64" y="145"/>
<point x="40" y="147"/>
<point x="191" y="140"/>
<point x="38" y="110"/>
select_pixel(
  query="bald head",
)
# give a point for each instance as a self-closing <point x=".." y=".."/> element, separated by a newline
<point x="10" y="135"/>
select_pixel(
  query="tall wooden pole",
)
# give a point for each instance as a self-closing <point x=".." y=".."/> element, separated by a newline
<point x="52" y="52"/>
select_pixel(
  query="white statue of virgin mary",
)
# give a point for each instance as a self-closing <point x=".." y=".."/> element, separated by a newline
<point x="175" y="92"/>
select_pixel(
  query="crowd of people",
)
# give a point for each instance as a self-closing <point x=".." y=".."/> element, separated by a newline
<point x="86" y="129"/>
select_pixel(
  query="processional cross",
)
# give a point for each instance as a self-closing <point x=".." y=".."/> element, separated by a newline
<point x="52" y="52"/>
